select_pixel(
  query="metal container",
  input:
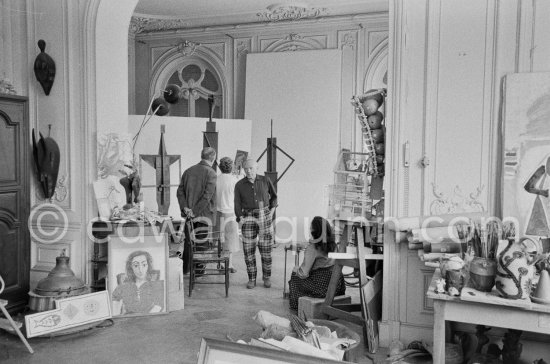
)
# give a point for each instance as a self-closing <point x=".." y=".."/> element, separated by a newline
<point x="60" y="282"/>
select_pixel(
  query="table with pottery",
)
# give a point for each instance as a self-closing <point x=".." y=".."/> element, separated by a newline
<point x="508" y="302"/>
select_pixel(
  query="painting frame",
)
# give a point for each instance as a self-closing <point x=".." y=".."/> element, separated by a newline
<point x="137" y="255"/>
<point x="240" y="158"/>
<point x="526" y="154"/>
<point x="215" y="351"/>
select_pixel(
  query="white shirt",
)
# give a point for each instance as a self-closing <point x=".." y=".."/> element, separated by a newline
<point x="225" y="192"/>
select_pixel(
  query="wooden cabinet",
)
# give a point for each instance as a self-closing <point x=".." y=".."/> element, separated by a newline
<point x="14" y="199"/>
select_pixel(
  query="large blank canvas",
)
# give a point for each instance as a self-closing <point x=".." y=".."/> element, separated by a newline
<point x="300" y="91"/>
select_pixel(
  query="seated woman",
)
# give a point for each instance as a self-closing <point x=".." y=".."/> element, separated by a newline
<point x="312" y="277"/>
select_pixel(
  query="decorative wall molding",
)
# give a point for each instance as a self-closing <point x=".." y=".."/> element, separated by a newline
<point x="187" y="48"/>
<point x="172" y="60"/>
<point x="218" y="49"/>
<point x="376" y="38"/>
<point x="60" y="193"/>
<point x="279" y="12"/>
<point x="456" y="202"/>
<point x="349" y="40"/>
<point x="158" y="52"/>
<point x="142" y="25"/>
<point x="377" y="69"/>
<point x="293" y="42"/>
<point x="243" y="47"/>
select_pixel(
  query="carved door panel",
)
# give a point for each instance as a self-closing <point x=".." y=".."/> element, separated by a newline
<point x="14" y="199"/>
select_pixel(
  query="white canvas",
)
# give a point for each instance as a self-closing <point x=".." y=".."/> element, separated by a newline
<point x="300" y="91"/>
<point x="526" y="127"/>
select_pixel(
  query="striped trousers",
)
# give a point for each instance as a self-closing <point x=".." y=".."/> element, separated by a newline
<point x="257" y="230"/>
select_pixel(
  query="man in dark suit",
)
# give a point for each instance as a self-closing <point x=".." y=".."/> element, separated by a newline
<point x="197" y="199"/>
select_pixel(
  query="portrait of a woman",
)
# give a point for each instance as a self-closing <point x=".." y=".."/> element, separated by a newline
<point x="140" y="292"/>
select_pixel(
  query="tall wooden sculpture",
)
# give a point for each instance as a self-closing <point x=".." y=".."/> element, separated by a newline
<point x="162" y="162"/>
<point x="46" y="158"/>
<point x="210" y="136"/>
<point x="271" y="151"/>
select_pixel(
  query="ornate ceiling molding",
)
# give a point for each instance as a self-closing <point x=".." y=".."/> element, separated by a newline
<point x="143" y="25"/>
<point x="279" y="12"/>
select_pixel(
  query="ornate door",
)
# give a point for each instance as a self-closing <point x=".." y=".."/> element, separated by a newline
<point x="14" y="199"/>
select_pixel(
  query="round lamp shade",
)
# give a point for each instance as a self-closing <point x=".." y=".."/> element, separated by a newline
<point x="160" y="107"/>
<point x="172" y="93"/>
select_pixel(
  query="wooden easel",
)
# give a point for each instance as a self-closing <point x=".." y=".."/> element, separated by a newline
<point x="3" y="304"/>
<point x="343" y="258"/>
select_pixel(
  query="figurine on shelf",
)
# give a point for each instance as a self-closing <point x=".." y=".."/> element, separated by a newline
<point x="440" y="286"/>
<point x="132" y="185"/>
<point x="6" y="87"/>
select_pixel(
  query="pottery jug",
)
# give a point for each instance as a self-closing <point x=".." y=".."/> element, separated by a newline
<point x="482" y="273"/>
<point x="515" y="270"/>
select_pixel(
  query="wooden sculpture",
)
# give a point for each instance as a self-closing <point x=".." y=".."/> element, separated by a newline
<point x="46" y="157"/>
<point x="44" y="68"/>
<point x="161" y="162"/>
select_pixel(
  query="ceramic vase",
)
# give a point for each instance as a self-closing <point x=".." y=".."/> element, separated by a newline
<point x="515" y="271"/>
<point x="542" y="293"/>
<point x="482" y="273"/>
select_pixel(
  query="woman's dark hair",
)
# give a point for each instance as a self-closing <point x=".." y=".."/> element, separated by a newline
<point x="322" y="234"/>
<point x="226" y="165"/>
<point x="130" y="272"/>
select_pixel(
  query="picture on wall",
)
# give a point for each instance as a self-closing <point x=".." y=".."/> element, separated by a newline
<point x="137" y="278"/>
<point x="526" y="158"/>
<point x="240" y="157"/>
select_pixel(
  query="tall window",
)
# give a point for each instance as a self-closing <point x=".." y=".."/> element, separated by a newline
<point x="197" y="81"/>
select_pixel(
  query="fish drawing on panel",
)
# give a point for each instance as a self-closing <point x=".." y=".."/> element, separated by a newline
<point x="48" y="321"/>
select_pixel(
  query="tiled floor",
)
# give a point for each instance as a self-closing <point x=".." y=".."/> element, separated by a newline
<point x="170" y="338"/>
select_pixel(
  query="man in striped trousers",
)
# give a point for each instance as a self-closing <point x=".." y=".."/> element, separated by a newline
<point x="255" y="203"/>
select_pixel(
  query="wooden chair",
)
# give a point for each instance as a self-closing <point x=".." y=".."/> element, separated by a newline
<point x="3" y="304"/>
<point x="207" y="258"/>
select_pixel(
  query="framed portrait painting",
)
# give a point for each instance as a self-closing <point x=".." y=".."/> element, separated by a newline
<point x="137" y="272"/>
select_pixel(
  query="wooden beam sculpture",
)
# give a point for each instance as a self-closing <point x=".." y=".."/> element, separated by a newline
<point x="271" y="150"/>
<point x="162" y="162"/>
<point x="271" y="171"/>
<point x="210" y="136"/>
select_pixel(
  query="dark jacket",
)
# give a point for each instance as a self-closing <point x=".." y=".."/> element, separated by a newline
<point x="197" y="190"/>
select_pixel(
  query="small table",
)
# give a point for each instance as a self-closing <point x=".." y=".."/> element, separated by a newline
<point x="296" y="248"/>
<point x="483" y="308"/>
